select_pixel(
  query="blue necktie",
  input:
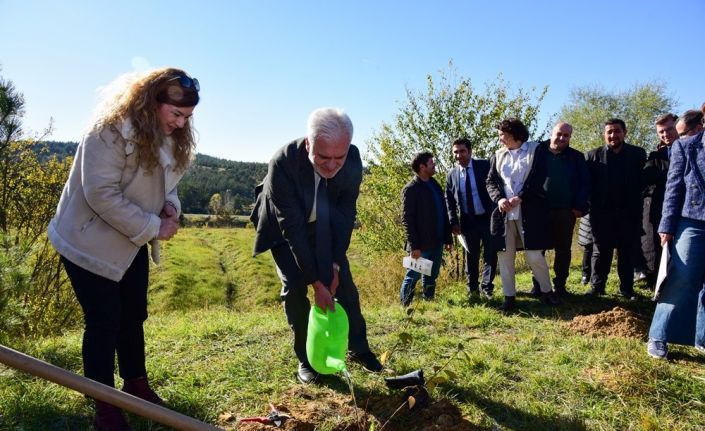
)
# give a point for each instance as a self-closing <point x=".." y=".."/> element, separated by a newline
<point x="324" y="248"/>
<point x="468" y="195"/>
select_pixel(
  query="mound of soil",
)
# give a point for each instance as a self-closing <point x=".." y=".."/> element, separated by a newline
<point x="324" y="408"/>
<point x="616" y="322"/>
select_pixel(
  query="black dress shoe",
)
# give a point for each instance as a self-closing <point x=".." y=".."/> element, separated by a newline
<point x="508" y="304"/>
<point x="549" y="298"/>
<point x="595" y="292"/>
<point x="368" y="360"/>
<point x="306" y="374"/>
<point x="628" y="294"/>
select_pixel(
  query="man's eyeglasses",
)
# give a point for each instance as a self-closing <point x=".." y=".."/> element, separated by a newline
<point x="187" y="82"/>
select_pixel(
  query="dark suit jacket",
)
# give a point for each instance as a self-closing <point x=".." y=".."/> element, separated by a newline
<point x="480" y="169"/>
<point x="600" y="213"/>
<point x="534" y="205"/>
<point x="419" y="216"/>
<point x="285" y="200"/>
<point x="655" y="174"/>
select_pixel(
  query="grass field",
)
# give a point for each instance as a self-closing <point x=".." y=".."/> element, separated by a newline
<point x="219" y="348"/>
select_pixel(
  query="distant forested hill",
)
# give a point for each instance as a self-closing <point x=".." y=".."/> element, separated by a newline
<point x="206" y="177"/>
<point x="46" y="149"/>
<point x="210" y="175"/>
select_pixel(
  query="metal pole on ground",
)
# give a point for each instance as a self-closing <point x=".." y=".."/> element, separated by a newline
<point x="99" y="391"/>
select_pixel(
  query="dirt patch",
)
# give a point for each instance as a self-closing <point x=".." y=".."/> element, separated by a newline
<point x="322" y="408"/>
<point x="616" y="322"/>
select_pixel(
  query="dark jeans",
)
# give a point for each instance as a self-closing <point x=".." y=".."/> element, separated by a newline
<point x="479" y="231"/>
<point x="614" y="230"/>
<point x="297" y="305"/>
<point x="408" y="285"/>
<point x="114" y="313"/>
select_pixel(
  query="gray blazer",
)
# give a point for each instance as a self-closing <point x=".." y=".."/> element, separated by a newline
<point x="284" y="201"/>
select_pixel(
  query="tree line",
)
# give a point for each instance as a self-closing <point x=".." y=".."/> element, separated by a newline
<point x="206" y="177"/>
<point x="35" y="298"/>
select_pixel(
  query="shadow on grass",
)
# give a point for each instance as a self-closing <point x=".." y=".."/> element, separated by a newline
<point x="573" y="305"/>
<point x="686" y="356"/>
<point x="44" y="417"/>
<point x="511" y="418"/>
<point x="382" y="404"/>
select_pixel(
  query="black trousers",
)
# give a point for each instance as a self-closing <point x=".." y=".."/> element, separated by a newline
<point x="587" y="261"/>
<point x="562" y="225"/>
<point x="614" y="230"/>
<point x="297" y="305"/>
<point x="114" y="313"/>
<point x="475" y="232"/>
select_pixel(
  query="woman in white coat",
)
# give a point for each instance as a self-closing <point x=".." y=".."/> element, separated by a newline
<point x="120" y="196"/>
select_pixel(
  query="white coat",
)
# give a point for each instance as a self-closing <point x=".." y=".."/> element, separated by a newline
<point x="110" y="206"/>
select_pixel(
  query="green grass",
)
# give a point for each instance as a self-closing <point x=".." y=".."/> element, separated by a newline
<point x="212" y="352"/>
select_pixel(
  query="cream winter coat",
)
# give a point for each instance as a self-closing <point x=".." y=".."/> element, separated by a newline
<point x="110" y="207"/>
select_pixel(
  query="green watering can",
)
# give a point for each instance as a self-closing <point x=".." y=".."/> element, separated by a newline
<point x="327" y="341"/>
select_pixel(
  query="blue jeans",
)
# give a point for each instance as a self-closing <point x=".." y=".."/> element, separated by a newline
<point x="408" y="286"/>
<point x="680" y="313"/>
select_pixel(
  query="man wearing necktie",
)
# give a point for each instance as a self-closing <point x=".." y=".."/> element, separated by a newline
<point x="305" y="213"/>
<point x="469" y="208"/>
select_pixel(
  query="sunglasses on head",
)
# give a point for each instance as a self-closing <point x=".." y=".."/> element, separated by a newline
<point x="187" y="82"/>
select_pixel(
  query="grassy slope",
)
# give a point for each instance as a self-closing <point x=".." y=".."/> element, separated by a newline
<point x="211" y="352"/>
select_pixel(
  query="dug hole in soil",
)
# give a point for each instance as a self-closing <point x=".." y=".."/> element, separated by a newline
<point x="325" y="409"/>
<point x="616" y="322"/>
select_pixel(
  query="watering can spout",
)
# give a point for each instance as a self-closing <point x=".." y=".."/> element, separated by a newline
<point x="335" y="363"/>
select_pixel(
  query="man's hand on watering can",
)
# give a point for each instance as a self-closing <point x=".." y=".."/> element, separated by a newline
<point x="322" y="296"/>
<point x="336" y="280"/>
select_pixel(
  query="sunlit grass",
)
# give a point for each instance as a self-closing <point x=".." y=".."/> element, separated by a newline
<point x="211" y="352"/>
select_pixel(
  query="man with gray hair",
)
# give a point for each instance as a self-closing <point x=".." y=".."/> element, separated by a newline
<point x="305" y="213"/>
<point x="691" y="123"/>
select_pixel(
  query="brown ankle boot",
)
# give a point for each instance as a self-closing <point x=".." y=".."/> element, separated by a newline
<point x="109" y="418"/>
<point x="139" y="387"/>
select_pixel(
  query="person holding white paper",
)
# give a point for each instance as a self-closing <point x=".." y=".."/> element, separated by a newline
<point x="680" y="313"/>
<point x="425" y="221"/>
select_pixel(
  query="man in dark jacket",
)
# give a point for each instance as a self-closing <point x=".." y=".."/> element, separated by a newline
<point x="567" y="191"/>
<point x="425" y="220"/>
<point x="304" y="214"/>
<point x="655" y="173"/>
<point x="469" y="209"/>
<point x="615" y="207"/>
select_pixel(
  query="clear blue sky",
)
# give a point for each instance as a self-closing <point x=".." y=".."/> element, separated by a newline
<point x="264" y="65"/>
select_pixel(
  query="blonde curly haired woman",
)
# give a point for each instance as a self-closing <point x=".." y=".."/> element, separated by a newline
<point x="120" y="196"/>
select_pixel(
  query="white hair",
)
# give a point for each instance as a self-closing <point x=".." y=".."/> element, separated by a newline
<point x="328" y="123"/>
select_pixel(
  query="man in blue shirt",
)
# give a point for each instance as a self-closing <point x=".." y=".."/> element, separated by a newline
<point x="469" y="209"/>
<point x="425" y="221"/>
